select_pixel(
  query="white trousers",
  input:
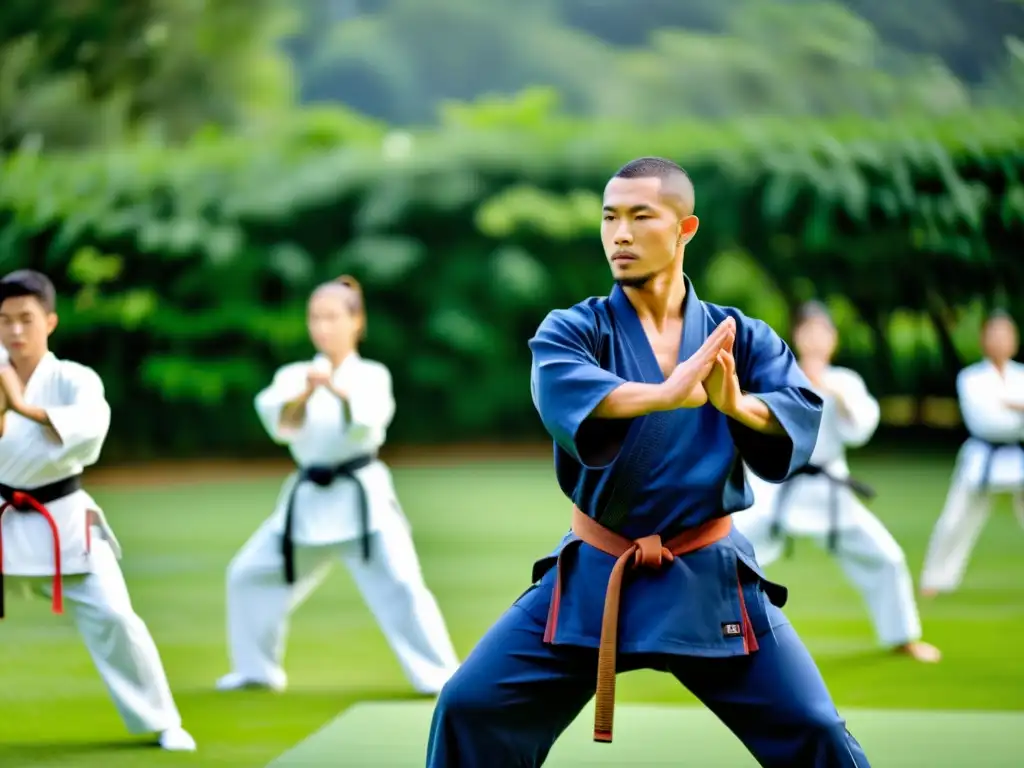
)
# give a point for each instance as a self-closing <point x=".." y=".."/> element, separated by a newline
<point x="118" y="641"/>
<point x="956" y="532"/>
<point x="259" y="603"/>
<point x="869" y="556"/>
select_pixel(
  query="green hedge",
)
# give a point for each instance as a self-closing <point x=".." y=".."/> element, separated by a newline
<point x="186" y="270"/>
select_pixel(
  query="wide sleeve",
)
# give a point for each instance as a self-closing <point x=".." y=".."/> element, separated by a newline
<point x="371" y="402"/>
<point x="859" y="419"/>
<point x="568" y="383"/>
<point x="82" y="422"/>
<point x="768" y="370"/>
<point x="982" y="405"/>
<point x="288" y="383"/>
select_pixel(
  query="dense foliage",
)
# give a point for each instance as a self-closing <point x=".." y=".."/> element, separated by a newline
<point x="185" y="271"/>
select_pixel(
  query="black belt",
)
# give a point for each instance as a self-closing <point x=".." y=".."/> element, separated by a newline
<point x="325" y="476"/>
<point x="990" y="456"/>
<point x="863" y="490"/>
<point x="44" y="494"/>
<point x="35" y="500"/>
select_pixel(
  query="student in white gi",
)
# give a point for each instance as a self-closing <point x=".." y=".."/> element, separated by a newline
<point x="53" y="536"/>
<point x="332" y="413"/>
<point x="822" y="503"/>
<point x="991" y="394"/>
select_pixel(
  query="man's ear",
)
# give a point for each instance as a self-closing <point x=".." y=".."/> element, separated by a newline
<point x="688" y="228"/>
<point x="51" y="323"/>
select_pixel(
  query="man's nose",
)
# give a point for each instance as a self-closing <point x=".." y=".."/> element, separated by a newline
<point x="623" y="235"/>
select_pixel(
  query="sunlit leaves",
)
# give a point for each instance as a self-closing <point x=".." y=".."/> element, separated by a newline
<point x="188" y="269"/>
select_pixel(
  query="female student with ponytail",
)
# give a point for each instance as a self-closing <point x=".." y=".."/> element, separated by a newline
<point x="332" y="412"/>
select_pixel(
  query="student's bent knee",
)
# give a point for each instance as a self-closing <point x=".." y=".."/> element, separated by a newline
<point x="235" y="573"/>
<point x="121" y="620"/>
<point x="240" y="570"/>
<point x="892" y="558"/>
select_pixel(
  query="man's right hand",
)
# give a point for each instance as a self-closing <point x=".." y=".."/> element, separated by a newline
<point x="683" y="388"/>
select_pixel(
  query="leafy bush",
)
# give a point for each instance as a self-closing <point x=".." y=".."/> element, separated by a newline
<point x="185" y="271"/>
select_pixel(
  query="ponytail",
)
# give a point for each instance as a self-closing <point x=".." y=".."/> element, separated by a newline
<point x="355" y="302"/>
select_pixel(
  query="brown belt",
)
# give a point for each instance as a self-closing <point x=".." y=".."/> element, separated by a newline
<point x="647" y="552"/>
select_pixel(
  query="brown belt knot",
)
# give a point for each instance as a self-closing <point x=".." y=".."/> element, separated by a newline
<point x="649" y="552"/>
<point x="646" y="552"/>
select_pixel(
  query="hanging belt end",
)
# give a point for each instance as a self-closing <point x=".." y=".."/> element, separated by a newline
<point x="58" y="594"/>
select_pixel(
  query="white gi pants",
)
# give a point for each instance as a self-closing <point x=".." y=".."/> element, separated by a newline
<point x="868" y="554"/>
<point x="118" y="641"/>
<point x="259" y="603"/>
<point x="957" y="531"/>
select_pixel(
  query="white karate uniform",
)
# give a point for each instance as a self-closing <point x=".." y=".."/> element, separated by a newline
<point x="982" y="392"/>
<point x="325" y="527"/>
<point x="866" y="551"/>
<point x="32" y="456"/>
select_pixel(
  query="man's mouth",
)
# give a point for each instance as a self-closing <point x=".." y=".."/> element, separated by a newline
<point x="624" y="257"/>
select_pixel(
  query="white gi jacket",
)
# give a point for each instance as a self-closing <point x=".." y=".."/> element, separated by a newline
<point x="32" y="456"/>
<point x="982" y="393"/>
<point x="330" y="515"/>
<point x="808" y="499"/>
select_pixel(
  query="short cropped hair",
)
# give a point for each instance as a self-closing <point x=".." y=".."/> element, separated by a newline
<point x="28" y="282"/>
<point x="999" y="314"/>
<point x="995" y="316"/>
<point x="676" y="182"/>
<point x="650" y="167"/>
<point x="811" y="310"/>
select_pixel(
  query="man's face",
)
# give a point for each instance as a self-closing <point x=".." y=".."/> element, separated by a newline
<point x="815" y="339"/>
<point x="999" y="340"/>
<point x="25" y="326"/>
<point x="641" y="232"/>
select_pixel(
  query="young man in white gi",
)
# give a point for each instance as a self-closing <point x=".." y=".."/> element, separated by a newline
<point x="991" y="395"/>
<point x="332" y="413"/>
<point x="53" y="536"/>
<point x="822" y="502"/>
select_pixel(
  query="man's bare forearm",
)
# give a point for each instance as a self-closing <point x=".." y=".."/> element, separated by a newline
<point x="755" y="414"/>
<point x="631" y="400"/>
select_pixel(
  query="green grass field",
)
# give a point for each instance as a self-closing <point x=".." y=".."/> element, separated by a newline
<point x="478" y="528"/>
<point x="375" y="735"/>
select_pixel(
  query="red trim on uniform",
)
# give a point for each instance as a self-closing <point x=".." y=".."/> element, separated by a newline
<point x="555" y="604"/>
<point x="749" y="638"/>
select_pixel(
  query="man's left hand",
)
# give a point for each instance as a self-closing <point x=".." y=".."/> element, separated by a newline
<point x="723" y="385"/>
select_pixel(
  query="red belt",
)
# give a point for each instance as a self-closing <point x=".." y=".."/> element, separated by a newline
<point x="647" y="552"/>
<point x="35" y="500"/>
